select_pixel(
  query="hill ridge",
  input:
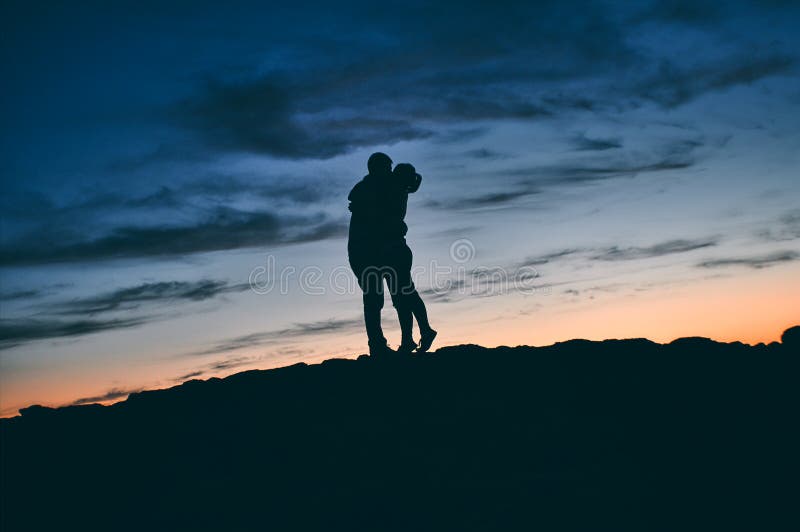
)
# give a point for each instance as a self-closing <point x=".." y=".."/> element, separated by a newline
<point x="608" y="435"/>
<point x="38" y="410"/>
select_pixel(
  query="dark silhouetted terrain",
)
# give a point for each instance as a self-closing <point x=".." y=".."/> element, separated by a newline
<point x="622" y="434"/>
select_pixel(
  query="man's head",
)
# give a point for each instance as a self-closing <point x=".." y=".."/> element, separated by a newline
<point x="379" y="164"/>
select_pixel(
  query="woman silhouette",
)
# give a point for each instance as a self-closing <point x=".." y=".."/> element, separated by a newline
<point x="405" y="298"/>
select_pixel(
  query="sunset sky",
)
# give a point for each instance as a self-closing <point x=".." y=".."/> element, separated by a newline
<point x="590" y="170"/>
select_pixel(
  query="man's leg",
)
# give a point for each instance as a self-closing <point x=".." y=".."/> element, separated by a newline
<point x="371" y="282"/>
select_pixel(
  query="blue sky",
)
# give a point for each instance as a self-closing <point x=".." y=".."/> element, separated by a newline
<point x="155" y="155"/>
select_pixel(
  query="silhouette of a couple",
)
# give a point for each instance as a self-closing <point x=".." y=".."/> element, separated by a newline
<point x="378" y="252"/>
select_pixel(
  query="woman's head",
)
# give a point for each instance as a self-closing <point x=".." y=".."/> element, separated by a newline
<point x="407" y="176"/>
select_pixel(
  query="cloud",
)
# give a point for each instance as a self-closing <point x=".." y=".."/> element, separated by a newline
<point x="614" y="253"/>
<point x="694" y="12"/>
<point x="674" y="155"/>
<point x="485" y="153"/>
<point x="519" y="276"/>
<point x="491" y="199"/>
<point x="224" y="229"/>
<point x="583" y="143"/>
<point x="459" y="135"/>
<point x="211" y="213"/>
<point x="451" y="290"/>
<point x="387" y="85"/>
<point x="538" y="260"/>
<point x="261" y="117"/>
<point x="147" y="293"/>
<point x="20" y="294"/>
<point x="756" y="262"/>
<point x="110" y="395"/>
<point x="668" y="247"/>
<point x="74" y="317"/>
<point x="14" y="332"/>
<point x="786" y="227"/>
<point x="216" y="366"/>
<point x="673" y="85"/>
<point x="297" y="330"/>
<point x="190" y="375"/>
<point x="707" y="12"/>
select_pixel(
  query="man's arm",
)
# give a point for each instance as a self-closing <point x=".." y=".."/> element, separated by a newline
<point x="353" y="198"/>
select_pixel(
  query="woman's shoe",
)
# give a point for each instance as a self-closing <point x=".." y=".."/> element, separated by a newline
<point x="426" y="340"/>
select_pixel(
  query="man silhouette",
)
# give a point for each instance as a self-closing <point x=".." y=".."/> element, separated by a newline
<point x="378" y="252"/>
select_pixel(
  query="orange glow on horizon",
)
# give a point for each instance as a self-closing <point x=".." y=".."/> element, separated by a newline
<point x="725" y="309"/>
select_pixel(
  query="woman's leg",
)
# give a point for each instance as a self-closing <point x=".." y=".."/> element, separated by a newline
<point x="408" y="302"/>
<point x="419" y="311"/>
<point x="396" y="281"/>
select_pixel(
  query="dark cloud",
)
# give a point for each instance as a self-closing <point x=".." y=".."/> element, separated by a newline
<point x="456" y="136"/>
<point x="218" y="189"/>
<point x="481" y="107"/>
<point x="224" y="229"/>
<point x="190" y="375"/>
<point x="692" y="12"/>
<point x="708" y="12"/>
<point x="216" y="366"/>
<point x="297" y="330"/>
<point x="757" y="262"/>
<point x="786" y="227"/>
<point x="147" y="293"/>
<point x="14" y="332"/>
<point x="550" y="59"/>
<point x="262" y="117"/>
<point x="579" y="174"/>
<point x="546" y="258"/>
<point x="110" y="395"/>
<point x="485" y="153"/>
<point x="518" y="277"/>
<point x="59" y="320"/>
<point x="387" y="84"/>
<point x="583" y="143"/>
<point x="495" y="198"/>
<point x="229" y="363"/>
<point x="491" y="199"/>
<point x="668" y="247"/>
<point x="535" y="180"/>
<point x="673" y="85"/>
<point x="20" y="294"/>
<point x="674" y="155"/>
<point x="194" y="216"/>
<point x="483" y="282"/>
<point x="448" y="291"/>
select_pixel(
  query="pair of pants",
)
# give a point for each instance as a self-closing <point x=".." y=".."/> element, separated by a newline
<point x="372" y="266"/>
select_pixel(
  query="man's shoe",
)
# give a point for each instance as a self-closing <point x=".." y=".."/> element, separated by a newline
<point x="380" y="350"/>
<point x="426" y="340"/>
